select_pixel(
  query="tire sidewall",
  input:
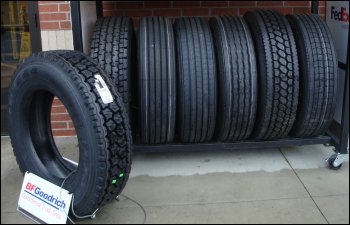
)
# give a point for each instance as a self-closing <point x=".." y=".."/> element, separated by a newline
<point x="35" y="74"/>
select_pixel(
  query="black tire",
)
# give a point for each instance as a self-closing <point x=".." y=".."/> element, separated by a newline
<point x="196" y="80"/>
<point x="111" y="48"/>
<point x="318" y="75"/>
<point x="278" y="73"/>
<point x="102" y="129"/>
<point x="331" y="160"/>
<point x="237" y="78"/>
<point x="156" y="57"/>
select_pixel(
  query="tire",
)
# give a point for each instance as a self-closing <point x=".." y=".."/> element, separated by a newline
<point x="102" y="128"/>
<point x="237" y="78"/>
<point x="331" y="163"/>
<point x="278" y="73"/>
<point x="196" y="80"/>
<point x="111" y="48"/>
<point x="318" y="72"/>
<point x="156" y="80"/>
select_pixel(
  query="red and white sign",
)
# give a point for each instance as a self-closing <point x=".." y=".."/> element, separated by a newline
<point x="337" y="18"/>
<point x="43" y="201"/>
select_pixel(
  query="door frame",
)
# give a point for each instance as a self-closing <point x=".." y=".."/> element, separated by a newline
<point x="34" y="26"/>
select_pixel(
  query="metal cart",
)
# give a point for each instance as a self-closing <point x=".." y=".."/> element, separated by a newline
<point x="337" y="135"/>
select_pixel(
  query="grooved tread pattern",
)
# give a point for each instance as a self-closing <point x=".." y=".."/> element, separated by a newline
<point x="319" y="72"/>
<point x="278" y="73"/>
<point x="157" y="92"/>
<point x="196" y="80"/>
<point x="111" y="48"/>
<point x="237" y="78"/>
<point x="109" y="121"/>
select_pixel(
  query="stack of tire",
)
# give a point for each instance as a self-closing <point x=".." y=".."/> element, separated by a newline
<point x="262" y="76"/>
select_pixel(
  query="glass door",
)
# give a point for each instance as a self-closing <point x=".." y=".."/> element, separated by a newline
<point x="18" y="27"/>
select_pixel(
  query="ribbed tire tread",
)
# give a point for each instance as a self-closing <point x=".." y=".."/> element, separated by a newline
<point x="237" y="78"/>
<point x="157" y="94"/>
<point x="196" y="80"/>
<point x="319" y="75"/>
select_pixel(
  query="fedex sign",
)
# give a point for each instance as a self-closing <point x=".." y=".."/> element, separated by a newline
<point x="337" y="19"/>
<point x="340" y="15"/>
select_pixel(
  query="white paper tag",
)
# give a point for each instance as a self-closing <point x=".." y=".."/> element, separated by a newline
<point x="103" y="89"/>
<point x="43" y="201"/>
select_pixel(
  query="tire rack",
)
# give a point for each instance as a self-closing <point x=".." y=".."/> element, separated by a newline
<point x="337" y="135"/>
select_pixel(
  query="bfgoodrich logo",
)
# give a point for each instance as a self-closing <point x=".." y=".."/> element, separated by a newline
<point x="341" y="15"/>
<point x="41" y="195"/>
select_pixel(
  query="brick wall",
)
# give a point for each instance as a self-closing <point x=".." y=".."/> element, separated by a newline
<point x="54" y="15"/>
<point x="55" y="18"/>
<point x="61" y="123"/>
<point x="55" y="24"/>
<point x="138" y="9"/>
<point x="56" y="33"/>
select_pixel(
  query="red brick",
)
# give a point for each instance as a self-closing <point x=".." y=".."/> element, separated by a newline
<point x="58" y="109"/>
<point x="48" y="2"/>
<point x="243" y="10"/>
<point x="284" y="10"/>
<point x="196" y="12"/>
<point x="214" y="3"/>
<point x="139" y="13"/>
<point x="302" y="10"/>
<point x="48" y="8"/>
<point x="157" y="4"/>
<point x="242" y="3"/>
<point x="297" y="3"/>
<point x="186" y="4"/>
<point x="113" y="13"/>
<point x="71" y="125"/>
<point x="60" y="117"/>
<point x="49" y="25"/>
<point x="322" y="10"/>
<point x="53" y="16"/>
<point x="167" y="12"/>
<point x="65" y="25"/>
<point x="58" y="125"/>
<point x="64" y="133"/>
<point x="108" y="6"/>
<point x="64" y="8"/>
<point x="56" y="101"/>
<point x="129" y="5"/>
<point x="322" y="3"/>
<point x="218" y="11"/>
<point x="269" y="3"/>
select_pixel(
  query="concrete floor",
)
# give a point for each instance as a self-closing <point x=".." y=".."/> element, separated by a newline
<point x="286" y="185"/>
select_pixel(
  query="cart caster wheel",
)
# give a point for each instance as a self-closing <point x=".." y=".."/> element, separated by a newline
<point x="332" y="163"/>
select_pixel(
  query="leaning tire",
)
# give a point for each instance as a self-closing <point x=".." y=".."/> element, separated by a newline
<point x="237" y="78"/>
<point x="156" y="57"/>
<point x="196" y="68"/>
<point x="278" y="73"/>
<point x="102" y="126"/>
<point x="111" y="48"/>
<point x="318" y="71"/>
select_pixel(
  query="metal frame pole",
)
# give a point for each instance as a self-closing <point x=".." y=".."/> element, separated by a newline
<point x="76" y="26"/>
<point x="342" y="148"/>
